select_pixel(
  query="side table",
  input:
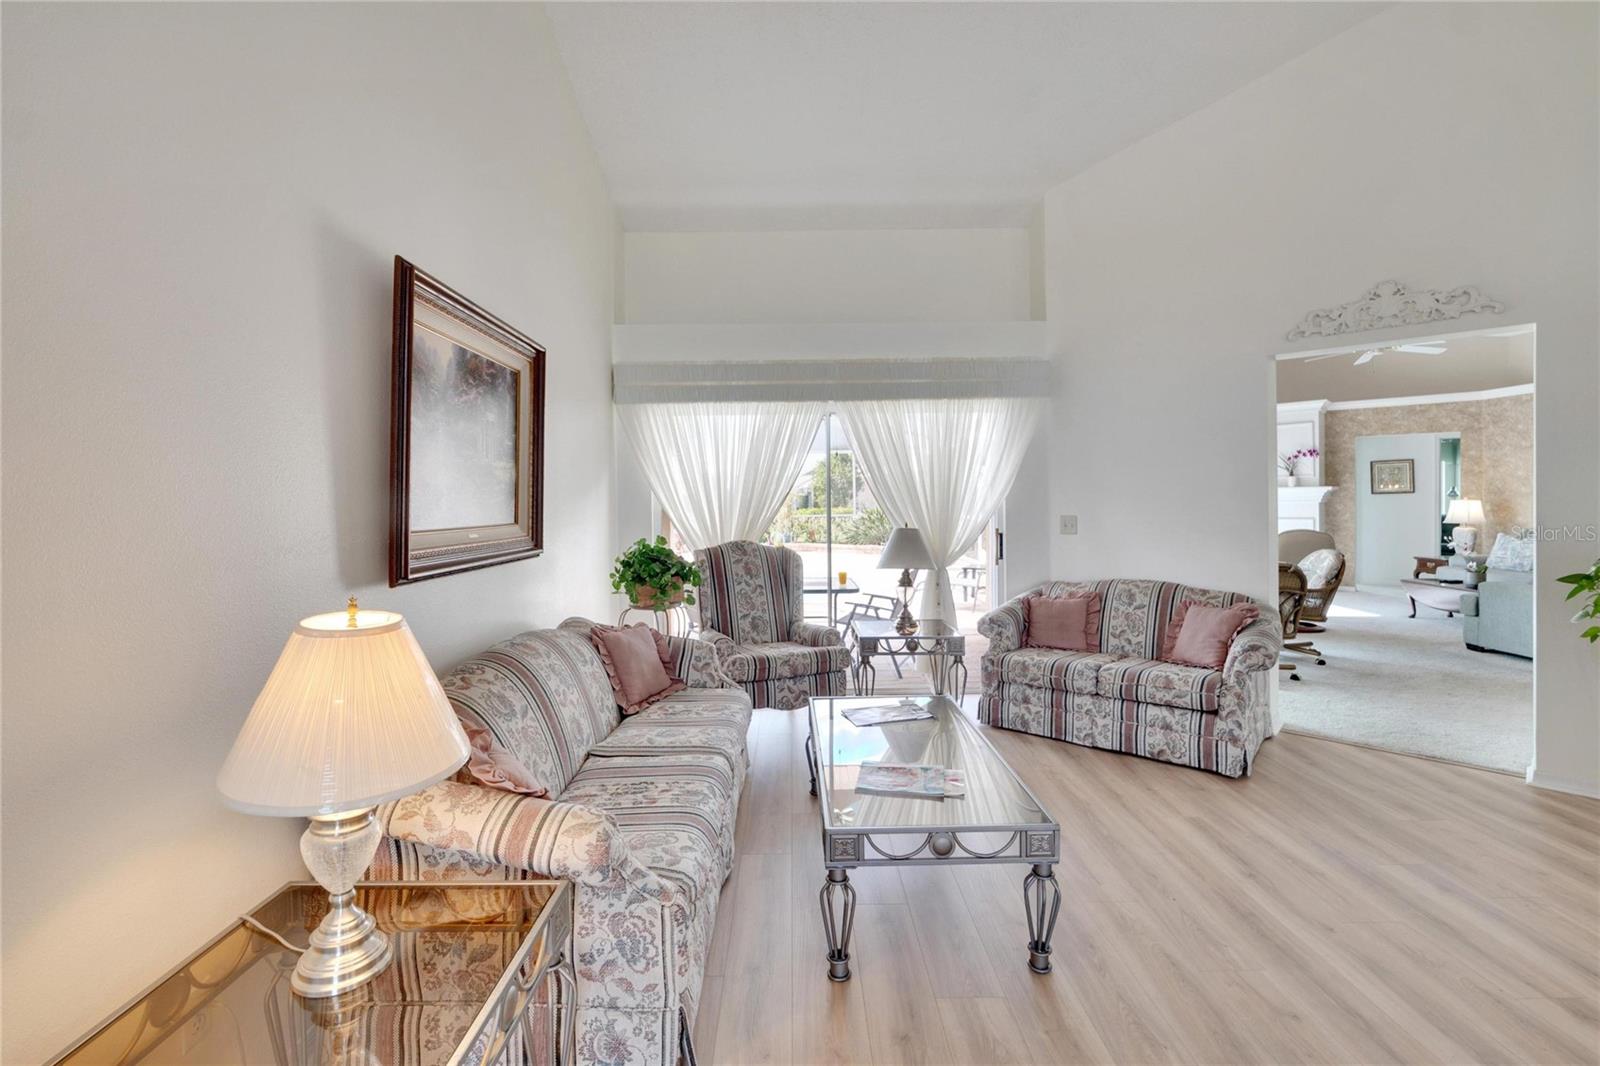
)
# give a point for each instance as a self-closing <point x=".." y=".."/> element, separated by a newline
<point x="1428" y="564"/>
<point x="482" y="974"/>
<point x="933" y="639"/>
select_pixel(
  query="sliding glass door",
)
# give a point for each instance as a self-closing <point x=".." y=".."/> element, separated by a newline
<point x="832" y="521"/>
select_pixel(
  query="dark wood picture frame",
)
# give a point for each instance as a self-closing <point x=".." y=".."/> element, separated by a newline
<point x="416" y="555"/>
<point x="1410" y="482"/>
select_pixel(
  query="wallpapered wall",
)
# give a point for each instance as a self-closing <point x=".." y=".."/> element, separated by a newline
<point x="1496" y="458"/>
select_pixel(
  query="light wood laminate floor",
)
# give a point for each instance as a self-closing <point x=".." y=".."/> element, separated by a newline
<point x="1342" y="905"/>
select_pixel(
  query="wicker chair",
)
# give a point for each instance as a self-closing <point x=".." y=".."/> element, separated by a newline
<point x="1324" y="571"/>
<point x="1292" y="592"/>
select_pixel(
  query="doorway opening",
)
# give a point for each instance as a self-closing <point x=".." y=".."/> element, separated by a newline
<point x="1405" y="521"/>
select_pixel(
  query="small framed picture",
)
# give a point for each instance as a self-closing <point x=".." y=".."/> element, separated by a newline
<point x="1391" y="476"/>
<point x="467" y="440"/>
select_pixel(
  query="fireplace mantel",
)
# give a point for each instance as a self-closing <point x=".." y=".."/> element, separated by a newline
<point x="1300" y="506"/>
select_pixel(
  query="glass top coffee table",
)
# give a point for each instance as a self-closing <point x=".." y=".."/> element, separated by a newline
<point x="997" y="821"/>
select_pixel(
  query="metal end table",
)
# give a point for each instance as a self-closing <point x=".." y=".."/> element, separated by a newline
<point x="933" y="639"/>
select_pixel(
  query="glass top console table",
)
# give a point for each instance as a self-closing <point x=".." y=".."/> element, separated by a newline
<point x="482" y="976"/>
<point x="997" y="821"/>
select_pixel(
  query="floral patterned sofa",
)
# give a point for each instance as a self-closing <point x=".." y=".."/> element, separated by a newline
<point x="638" y="814"/>
<point x="1123" y="698"/>
<point x="751" y="610"/>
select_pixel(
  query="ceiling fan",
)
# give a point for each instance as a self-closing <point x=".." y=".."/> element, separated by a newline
<point x="1372" y="353"/>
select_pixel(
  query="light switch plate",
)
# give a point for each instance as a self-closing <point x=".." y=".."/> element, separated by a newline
<point x="1069" y="524"/>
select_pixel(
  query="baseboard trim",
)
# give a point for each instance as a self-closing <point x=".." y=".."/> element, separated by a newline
<point x="1588" y="789"/>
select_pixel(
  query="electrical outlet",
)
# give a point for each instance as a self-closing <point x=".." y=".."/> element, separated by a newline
<point x="1069" y="524"/>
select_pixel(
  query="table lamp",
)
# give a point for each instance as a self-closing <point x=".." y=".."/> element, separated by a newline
<point x="351" y="716"/>
<point x="907" y="550"/>
<point x="1467" y="516"/>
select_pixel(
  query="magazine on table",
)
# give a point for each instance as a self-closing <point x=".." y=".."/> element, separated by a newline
<point x="911" y="779"/>
<point x="884" y="713"/>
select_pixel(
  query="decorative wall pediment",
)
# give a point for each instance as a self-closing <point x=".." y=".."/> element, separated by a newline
<point x="1389" y="303"/>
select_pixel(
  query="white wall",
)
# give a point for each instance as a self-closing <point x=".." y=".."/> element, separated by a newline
<point x="838" y="294"/>
<point x="1393" y="528"/>
<point x="1176" y="267"/>
<point x="887" y="275"/>
<point x="201" y="208"/>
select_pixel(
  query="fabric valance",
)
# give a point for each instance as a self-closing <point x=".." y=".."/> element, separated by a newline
<point x="829" y="380"/>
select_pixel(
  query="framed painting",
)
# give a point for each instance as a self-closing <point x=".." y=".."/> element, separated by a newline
<point x="1391" y="476"/>
<point x="466" y="449"/>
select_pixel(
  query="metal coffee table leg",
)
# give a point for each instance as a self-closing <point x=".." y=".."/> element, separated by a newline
<point x="811" y="761"/>
<point x="1041" y="896"/>
<point x="838" y="922"/>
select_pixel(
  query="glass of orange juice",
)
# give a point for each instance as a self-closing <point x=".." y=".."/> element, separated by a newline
<point x="844" y="577"/>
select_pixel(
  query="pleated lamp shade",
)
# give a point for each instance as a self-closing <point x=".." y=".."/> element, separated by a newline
<point x="905" y="550"/>
<point x="351" y="716"/>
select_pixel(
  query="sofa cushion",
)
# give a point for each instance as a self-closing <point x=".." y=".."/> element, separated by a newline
<point x="1062" y="671"/>
<point x="751" y="592"/>
<point x="1165" y="684"/>
<point x="676" y="814"/>
<point x="1067" y="623"/>
<point x="758" y="662"/>
<point x="708" y="722"/>
<point x="542" y="697"/>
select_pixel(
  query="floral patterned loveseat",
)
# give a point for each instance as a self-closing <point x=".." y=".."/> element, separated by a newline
<point x="639" y="815"/>
<point x="1123" y="697"/>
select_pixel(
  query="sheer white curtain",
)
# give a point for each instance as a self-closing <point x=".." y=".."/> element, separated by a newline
<point x="943" y="466"/>
<point x="722" y="470"/>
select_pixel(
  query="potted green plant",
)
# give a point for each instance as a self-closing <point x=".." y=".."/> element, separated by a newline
<point x="1587" y="585"/>
<point x="654" y="576"/>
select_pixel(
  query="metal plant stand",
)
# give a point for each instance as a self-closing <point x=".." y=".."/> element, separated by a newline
<point x="997" y="820"/>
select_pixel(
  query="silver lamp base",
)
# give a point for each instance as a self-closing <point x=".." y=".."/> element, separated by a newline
<point x="905" y="625"/>
<point x="347" y="948"/>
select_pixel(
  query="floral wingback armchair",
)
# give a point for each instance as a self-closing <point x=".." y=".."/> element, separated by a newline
<point x="751" y="611"/>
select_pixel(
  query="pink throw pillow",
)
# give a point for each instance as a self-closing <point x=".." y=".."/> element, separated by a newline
<point x="635" y="659"/>
<point x="1200" y="635"/>
<point x="490" y="764"/>
<point x="1066" y="623"/>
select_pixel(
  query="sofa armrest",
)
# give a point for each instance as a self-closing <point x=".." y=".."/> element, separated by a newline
<point x="1255" y="647"/>
<point x="712" y="637"/>
<point x="816" y="636"/>
<point x="1469" y="605"/>
<point x="695" y="663"/>
<point x="555" y="839"/>
<point x="1005" y="626"/>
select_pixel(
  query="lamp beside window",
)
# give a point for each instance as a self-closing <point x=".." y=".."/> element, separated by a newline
<point x="907" y="550"/>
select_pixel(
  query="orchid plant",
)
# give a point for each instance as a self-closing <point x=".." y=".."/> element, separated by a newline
<point x="1288" y="462"/>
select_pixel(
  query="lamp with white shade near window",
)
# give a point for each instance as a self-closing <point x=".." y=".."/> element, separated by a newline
<point x="351" y="716"/>
<point x="1466" y="515"/>
<point x="907" y="550"/>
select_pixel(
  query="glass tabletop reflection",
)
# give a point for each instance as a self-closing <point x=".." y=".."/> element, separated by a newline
<point x="995" y="797"/>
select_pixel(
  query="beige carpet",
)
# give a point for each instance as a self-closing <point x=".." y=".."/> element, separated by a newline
<point x="1410" y="685"/>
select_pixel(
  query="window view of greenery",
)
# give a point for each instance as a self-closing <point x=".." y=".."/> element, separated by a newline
<point x="856" y="517"/>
